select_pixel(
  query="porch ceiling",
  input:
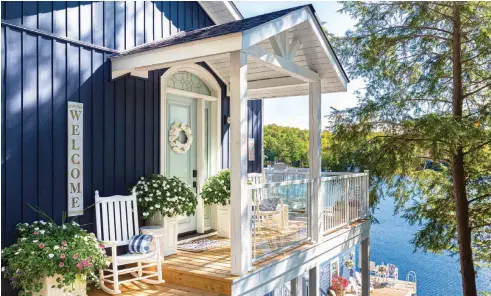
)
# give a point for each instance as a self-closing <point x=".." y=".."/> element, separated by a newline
<point x="300" y="48"/>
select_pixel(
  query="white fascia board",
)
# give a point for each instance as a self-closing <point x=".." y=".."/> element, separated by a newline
<point x="327" y="49"/>
<point x="233" y="10"/>
<point x="281" y="64"/>
<point x="176" y="53"/>
<point x="234" y="13"/>
<point x="274" y="27"/>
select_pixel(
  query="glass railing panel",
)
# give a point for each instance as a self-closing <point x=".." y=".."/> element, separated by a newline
<point x="280" y="216"/>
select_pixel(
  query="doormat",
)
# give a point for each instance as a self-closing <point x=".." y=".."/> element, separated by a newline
<point x="201" y="245"/>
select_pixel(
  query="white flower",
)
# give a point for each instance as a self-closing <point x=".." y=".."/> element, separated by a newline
<point x="51" y="256"/>
<point x="151" y="208"/>
<point x="142" y="178"/>
<point x="168" y="194"/>
<point x="145" y="214"/>
<point x="3" y="269"/>
<point x="42" y="231"/>
<point x="23" y="239"/>
<point x="42" y="222"/>
<point x="35" y="241"/>
<point x="27" y="224"/>
<point x="63" y="226"/>
<point x="37" y="228"/>
<point x="56" y="247"/>
<point x="75" y="223"/>
<point x="16" y="253"/>
<point x="157" y="206"/>
<point x="35" y="222"/>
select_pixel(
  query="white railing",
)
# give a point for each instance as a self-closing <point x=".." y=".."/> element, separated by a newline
<point x="345" y="199"/>
<point x="280" y="216"/>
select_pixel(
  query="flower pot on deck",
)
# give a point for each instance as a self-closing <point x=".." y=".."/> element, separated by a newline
<point x="170" y="231"/>
<point x="223" y="221"/>
<point x="79" y="288"/>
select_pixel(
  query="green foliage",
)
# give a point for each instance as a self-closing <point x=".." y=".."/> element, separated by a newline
<point x="407" y="128"/>
<point x="217" y="189"/>
<point x="291" y="146"/>
<point x="168" y="196"/>
<point x="44" y="249"/>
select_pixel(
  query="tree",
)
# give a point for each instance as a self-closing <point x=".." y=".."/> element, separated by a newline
<point x="423" y="123"/>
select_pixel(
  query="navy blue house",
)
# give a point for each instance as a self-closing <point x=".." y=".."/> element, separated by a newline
<point x="56" y="52"/>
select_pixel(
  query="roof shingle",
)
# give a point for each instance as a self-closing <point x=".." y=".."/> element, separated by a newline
<point x="212" y="31"/>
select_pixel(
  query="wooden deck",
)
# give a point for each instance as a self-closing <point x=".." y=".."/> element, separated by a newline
<point x="206" y="272"/>
<point x="401" y="288"/>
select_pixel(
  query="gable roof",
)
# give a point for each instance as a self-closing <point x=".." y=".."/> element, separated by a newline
<point x="212" y="31"/>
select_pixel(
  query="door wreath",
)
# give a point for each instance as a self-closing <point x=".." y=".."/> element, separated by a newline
<point x="174" y="132"/>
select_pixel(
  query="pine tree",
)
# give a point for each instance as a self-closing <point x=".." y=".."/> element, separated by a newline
<point x="423" y="124"/>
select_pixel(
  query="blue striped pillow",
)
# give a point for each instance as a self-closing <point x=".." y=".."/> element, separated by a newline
<point x="140" y="244"/>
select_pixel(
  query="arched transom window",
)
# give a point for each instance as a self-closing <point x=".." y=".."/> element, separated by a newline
<point x="188" y="82"/>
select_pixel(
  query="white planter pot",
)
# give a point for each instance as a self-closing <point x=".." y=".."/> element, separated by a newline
<point x="170" y="232"/>
<point x="223" y="221"/>
<point x="79" y="288"/>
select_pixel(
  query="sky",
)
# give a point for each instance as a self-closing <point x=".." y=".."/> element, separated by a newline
<point x="293" y="111"/>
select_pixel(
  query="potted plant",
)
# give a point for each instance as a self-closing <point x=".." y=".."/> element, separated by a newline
<point x="160" y="200"/>
<point x="216" y="191"/>
<point x="339" y="285"/>
<point x="51" y="259"/>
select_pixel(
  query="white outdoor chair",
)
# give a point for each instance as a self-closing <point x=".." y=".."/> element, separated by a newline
<point x="373" y="267"/>
<point x="117" y="223"/>
<point x="392" y="274"/>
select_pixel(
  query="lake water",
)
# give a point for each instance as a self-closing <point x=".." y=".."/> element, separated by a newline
<point x="437" y="275"/>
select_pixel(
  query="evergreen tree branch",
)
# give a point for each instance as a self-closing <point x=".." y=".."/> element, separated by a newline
<point x="479" y="198"/>
<point x="476" y="91"/>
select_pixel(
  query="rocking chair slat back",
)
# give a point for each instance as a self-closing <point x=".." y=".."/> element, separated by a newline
<point x="116" y="218"/>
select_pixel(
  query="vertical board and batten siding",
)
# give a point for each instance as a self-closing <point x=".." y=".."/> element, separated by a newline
<point x="41" y="73"/>
<point x="122" y="118"/>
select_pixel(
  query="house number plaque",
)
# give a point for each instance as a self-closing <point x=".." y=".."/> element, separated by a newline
<point x="75" y="158"/>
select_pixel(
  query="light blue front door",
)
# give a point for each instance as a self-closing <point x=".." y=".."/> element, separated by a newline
<point x="183" y="110"/>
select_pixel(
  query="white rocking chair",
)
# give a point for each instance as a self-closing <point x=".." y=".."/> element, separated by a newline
<point x="117" y="223"/>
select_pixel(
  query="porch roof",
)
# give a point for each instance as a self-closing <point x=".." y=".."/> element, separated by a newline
<point x="288" y="49"/>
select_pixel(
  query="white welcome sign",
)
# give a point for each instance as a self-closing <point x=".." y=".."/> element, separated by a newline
<point x="75" y="158"/>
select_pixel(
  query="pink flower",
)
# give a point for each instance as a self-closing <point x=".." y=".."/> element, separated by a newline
<point x="62" y="256"/>
<point x="64" y="243"/>
<point x="85" y="263"/>
<point x="101" y="246"/>
<point x="61" y="264"/>
<point x="36" y="232"/>
<point x="75" y="256"/>
<point x="41" y="245"/>
<point x="90" y="264"/>
<point x="80" y="265"/>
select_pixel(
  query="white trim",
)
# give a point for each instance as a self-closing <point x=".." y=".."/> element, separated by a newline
<point x="273" y="27"/>
<point x="282" y="64"/>
<point x="189" y="94"/>
<point x="201" y="165"/>
<point x="200" y="49"/>
<point x="234" y="13"/>
<point x="319" y="33"/>
<point x="216" y="101"/>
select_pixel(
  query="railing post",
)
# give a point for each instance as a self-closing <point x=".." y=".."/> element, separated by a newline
<point x="346" y="200"/>
<point x="367" y="193"/>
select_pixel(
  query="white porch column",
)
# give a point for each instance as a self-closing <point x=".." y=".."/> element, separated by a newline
<point x="365" y="266"/>
<point x="241" y="254"/>
<point x="314" y="281"/>
<point x="315" y="128"/>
